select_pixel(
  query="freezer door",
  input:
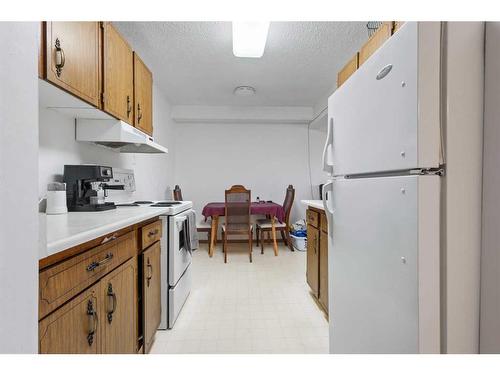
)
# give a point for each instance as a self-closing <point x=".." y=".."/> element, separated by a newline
<point x="373" y="263"/>
<point x="386" y="116"/>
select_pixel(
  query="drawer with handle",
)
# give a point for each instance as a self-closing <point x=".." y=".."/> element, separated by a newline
<point x="151" y="233"/>
<point x="61" y="282"/>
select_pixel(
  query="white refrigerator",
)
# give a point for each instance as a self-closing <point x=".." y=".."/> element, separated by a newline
<point x="384" y="157"/>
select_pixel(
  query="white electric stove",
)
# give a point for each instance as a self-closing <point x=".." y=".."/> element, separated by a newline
<point x="175" y="257"/>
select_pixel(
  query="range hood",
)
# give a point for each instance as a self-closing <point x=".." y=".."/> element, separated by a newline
<point x="116" y="135"/>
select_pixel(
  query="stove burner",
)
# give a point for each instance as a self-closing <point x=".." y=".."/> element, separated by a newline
<point x="143" y="202"/>
<point x="169" y="202"/>
<point x="126" y="205"/>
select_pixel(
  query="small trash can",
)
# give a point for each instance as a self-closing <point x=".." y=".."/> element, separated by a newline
<point x="299" y="241"/>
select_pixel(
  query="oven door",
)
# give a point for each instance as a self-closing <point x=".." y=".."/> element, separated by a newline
<point x="179" y="258"/>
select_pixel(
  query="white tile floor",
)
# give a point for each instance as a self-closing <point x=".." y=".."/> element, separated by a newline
<point x="242" y="307"/>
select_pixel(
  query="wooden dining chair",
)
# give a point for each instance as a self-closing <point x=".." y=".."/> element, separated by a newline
<point x="201" y="227"/>
<point x="237" y="216"/>
<point x="265" y="225"/>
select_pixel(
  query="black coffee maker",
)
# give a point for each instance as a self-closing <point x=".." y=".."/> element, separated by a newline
<point x="85" y="186"/>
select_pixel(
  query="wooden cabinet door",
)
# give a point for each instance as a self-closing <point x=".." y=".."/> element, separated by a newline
<point x="348" y="70"/>
<point x="143" y="96"/>
<point x="313" y="259"/>
<point x="151" y="293"/>
<point x="118" y="88"/>
<point x="73" y="58"/>
<point x="383" y="33"/>
<point x="74" y="328"/>
<point x="119" y="315"/>
<point x="323" y="270"/>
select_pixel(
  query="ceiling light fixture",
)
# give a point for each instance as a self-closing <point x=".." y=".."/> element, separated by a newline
<point x="244" y="91"/>
<point x="249" y="38"/>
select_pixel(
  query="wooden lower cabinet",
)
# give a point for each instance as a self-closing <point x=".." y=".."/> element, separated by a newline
<point x="323" y="270"/>
<point x="119" y="315"/>
<point x="111" y="304"/>
<point x="102" y="319"/>
<point x="317" y="255"/>
<point x="151" y="293"/>
<point x="313" y="259"/>
<point x="74" y="328"/>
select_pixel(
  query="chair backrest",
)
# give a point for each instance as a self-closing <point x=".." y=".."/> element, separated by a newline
<point x="177" y="193"/>
<point x="237" y="205"/>
<point x="288" y="203"/>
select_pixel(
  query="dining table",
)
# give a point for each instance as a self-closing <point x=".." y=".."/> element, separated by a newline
<point x="216" y="209"/>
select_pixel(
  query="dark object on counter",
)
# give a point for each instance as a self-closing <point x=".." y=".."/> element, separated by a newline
<point x="84" y="190"/>
<point x="177" y="193"/>
<point x="321" y="191"/>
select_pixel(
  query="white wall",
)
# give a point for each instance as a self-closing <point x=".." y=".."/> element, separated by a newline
<point x="153" y="173"/>
<point x="490" y="257"/>
<point x="265" y="158"/>
<point x="463" y="184"/>
<point x="18" y="195"/>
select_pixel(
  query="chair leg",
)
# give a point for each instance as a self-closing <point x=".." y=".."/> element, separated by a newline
<point x="282" y="232"/>
<point x="209" y="239"/>
<point x="289" y="240"/>
<point x="224" y="246"/>
<point x="262" y="240"/>
<point x="250" y="245"/>
<point x="257" y="231"/>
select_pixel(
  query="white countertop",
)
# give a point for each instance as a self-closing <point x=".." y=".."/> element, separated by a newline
<point x="74" y="228"/>
<point x="313" y="203"/>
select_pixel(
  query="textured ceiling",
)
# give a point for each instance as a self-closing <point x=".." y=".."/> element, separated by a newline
<point x="193" y="62"/>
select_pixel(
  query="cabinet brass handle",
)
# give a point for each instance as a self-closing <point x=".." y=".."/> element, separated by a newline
<point x="93" y="320"/>
<point x="111" y="294"/>
<point x="92" y="266"/>
<point x="150" y="268"/>
<point x="60" y="57"/>
<point x="139" y="113"/>
<point x="129" y="107"/>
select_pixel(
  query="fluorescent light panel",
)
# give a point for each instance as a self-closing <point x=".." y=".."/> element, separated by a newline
<point x="249" y="38"/>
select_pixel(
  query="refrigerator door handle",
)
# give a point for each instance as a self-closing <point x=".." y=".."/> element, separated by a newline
<point x="327" y="151"/>
<point x="325" y="194"/>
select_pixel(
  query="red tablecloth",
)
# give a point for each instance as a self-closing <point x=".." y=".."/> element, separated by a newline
<point x="256" y="208"/>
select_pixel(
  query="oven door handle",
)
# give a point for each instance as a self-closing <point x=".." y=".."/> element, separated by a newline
<point x="179" y="222"/>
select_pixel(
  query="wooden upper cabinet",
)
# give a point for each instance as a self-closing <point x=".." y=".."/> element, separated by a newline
<point x="348" y="70"/>
<point x="73" y="58"/>
<point x="119" y="318"/>
<point x="397" y="26"/>
<point x="383" y="33"/>
<point x="118" y="80"/>
<point x="151" y="293"/>
<point x="74" y="328"/>
<point x="143" y="96"/>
